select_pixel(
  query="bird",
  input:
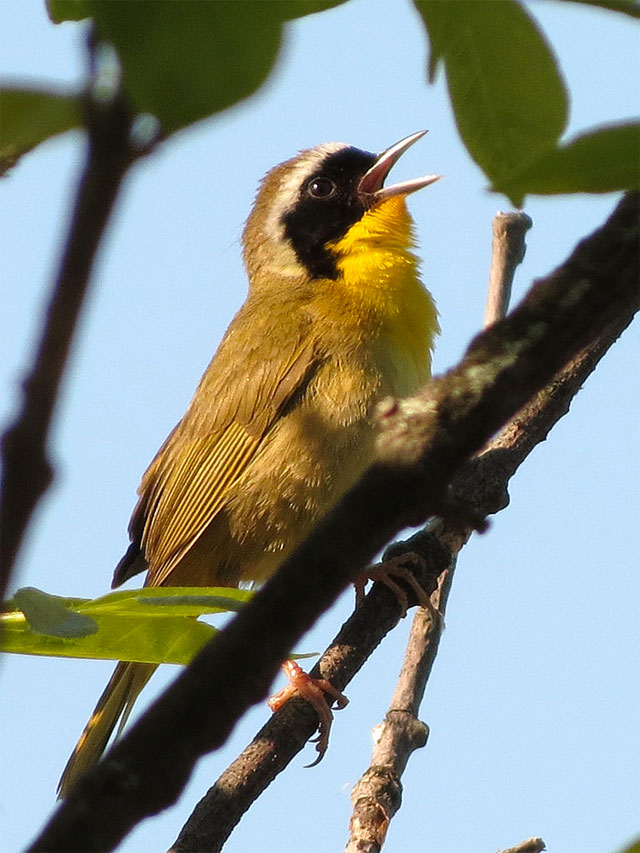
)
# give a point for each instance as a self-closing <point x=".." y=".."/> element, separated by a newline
<point x="282" y="421"/>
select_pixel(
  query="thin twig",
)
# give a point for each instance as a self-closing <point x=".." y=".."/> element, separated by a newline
<point x="482" y="485"/>
<point x="287" y="732"/>
<point x="507" y="251"/>
<point x="377" y="795"/>
<point x="422" y="442"/>
<point x="27" y="472"/>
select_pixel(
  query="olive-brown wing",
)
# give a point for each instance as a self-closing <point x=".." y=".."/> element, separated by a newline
<point x="187" y="483"/>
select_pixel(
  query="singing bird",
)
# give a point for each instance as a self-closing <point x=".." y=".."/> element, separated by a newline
<point x="281" y="423"/>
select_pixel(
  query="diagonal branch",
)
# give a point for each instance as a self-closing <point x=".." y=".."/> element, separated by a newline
<point x="482" y="484"/>
<point x="27" y="471"/>
<point x="423" y="440"/>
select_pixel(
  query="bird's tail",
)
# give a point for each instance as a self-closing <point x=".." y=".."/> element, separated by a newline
<point x="114" y="705"/>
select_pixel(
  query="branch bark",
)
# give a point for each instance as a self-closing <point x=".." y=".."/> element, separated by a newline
<point x="423" y="440"/>
<point x="27" y="470"/>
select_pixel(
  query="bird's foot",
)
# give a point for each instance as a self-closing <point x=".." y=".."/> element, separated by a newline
<point x="314" y="690"/>
<point x="398" y="567"/>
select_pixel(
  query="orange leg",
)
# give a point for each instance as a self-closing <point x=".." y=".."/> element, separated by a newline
<point x="313" y="690"/>
<point x="397" y="566"/>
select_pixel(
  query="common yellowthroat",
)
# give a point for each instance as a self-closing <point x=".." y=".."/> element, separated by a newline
<point x="281" y="423"/>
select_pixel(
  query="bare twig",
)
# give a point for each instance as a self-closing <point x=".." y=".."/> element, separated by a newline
<point x="482" y="484"/>
<point x="507" y="251"/>
<point x="531" y="845"/>
<point x="422" y="442"/>
<point x="377" y="795"/>
<point x="27" y="472"/>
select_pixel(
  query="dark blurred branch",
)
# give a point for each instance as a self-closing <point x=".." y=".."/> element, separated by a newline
<point x="423" y="440"/>
<point x="27" y="472"/>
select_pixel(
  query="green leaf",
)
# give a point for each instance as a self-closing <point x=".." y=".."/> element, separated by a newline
<point x="626" y="7"/>
<point x="119" y="637"/>
<point x="509" y="100"/>
<point x="600" y="161"/>
<point x="169" y="601"/>
<point x="30" y="117"/>
<point x="50" y="615"/>
<point x="145" y="625"/>
<point x="151" y="625"/>
<point x="66" y="10"/>
<point x="185" y="61"/>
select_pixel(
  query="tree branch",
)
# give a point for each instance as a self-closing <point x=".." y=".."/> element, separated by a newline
<point x="482" y="482"/>
<point x="27" y="472"/>
<point x="422" y="441"/>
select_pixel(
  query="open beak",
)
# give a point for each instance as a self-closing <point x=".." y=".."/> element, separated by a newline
<point x="371" y="184"/>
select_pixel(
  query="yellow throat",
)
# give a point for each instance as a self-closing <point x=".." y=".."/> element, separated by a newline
<point x="380" y="274"/>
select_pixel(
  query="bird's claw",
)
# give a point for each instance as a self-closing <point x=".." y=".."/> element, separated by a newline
<point x="314" y="690"/>
<point x="399" y="567"/>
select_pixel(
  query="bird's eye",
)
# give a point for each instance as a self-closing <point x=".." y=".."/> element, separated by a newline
<point x="321" y="188"/>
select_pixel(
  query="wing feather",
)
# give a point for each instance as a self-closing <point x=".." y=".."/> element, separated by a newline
<point x="189" y="505"/>
<point x="188" y="481"/>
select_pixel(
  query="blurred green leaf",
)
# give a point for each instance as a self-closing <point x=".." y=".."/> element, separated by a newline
<point x="508" y="97"/>
<point x="185" y="61"/>
<point x="633" y="847"/>
<point x="290" y="9"/>
<point x="66" y="10"/>
<point x="30" y="117"/>
<point x="627" y="7"/>
<point x="50" y="615"/>
<point x="600" y="161"/>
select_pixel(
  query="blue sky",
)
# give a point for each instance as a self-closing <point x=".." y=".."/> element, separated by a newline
<point x="533" y="702"/>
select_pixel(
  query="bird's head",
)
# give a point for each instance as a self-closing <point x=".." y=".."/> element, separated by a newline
<point x="307" y="206"/>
